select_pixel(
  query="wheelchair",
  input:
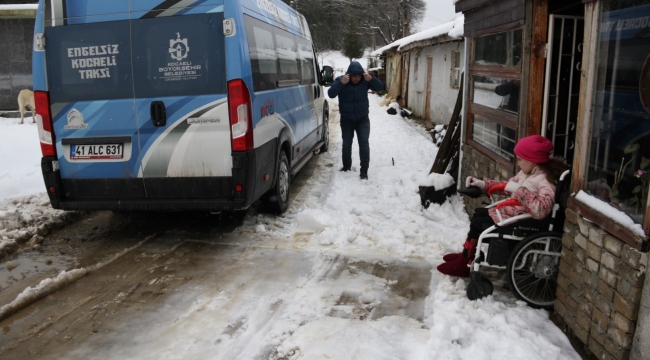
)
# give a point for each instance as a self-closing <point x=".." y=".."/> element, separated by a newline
<point x="528" y="249"/>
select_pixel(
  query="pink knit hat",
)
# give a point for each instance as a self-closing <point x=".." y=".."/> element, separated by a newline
<point x="534" y="148"/>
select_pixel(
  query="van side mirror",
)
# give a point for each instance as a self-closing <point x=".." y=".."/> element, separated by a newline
<point x="327" y="74"/>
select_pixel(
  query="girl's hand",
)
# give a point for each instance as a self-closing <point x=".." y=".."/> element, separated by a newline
<point x="472" y="181"/>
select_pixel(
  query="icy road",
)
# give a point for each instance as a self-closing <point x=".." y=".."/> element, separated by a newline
<point x="348" y="272"/>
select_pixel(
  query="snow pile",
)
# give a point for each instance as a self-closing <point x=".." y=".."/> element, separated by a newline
<point x="44" y="288"/>
<point x="453" y="29"/>
<point x="25" y="211"/>
<point x="438" y="181"/>
<point x="438" y="134"/>
<point x="458" y="29"/>
<point x="24" y="221"/>
<point x="611" y="212"/>
<point x="490" y="328"/>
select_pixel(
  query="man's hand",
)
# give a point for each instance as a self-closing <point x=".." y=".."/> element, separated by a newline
<point x="345" y="79"/>
<point x="367" y="76"/>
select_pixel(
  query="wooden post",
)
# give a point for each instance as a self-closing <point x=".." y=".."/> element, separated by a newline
<point x="537" y="67"/>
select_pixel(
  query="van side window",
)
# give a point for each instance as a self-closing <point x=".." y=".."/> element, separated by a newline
<point x="287" y="55"/>
<point x="306" y="62"/>
<point x="261" y="47"/>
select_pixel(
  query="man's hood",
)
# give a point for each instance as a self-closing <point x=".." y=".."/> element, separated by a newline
<point x="355" y="69"/>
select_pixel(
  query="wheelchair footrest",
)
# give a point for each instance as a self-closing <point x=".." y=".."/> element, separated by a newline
<point x="498" y="252"/>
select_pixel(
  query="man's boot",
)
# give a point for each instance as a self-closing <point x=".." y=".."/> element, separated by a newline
<point x="364" y="174"/>
<point x="345" y="169"/>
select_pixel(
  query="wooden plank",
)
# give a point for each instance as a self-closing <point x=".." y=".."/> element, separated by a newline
<point x="646" y="215"/>
<point x="510" y="72"/>
<point x="494" y="30"/>
<point x="464" y="5"/>
<point x="427" y="104"/>
<point x="517" y="13"/>
<point x="537" y="68"/>
<point x="497" y="116"/>
<point x="587" y="74"/>
<point x="619" y="231"/>
<point x="494" y="8"/>
<point x="526" y="35"/>
<point x="450" y="146"/>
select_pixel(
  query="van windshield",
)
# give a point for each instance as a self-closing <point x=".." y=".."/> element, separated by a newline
<point x="171" y="56"/>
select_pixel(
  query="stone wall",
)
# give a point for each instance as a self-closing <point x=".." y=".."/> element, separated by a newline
<point x="481" y="166"/>
<point x="600" y="282"/>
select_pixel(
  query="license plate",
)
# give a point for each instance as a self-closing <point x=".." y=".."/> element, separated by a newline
<point x="96" y="152"/>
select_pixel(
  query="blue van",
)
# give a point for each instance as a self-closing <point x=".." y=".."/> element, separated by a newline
<point x="175" y="104"/>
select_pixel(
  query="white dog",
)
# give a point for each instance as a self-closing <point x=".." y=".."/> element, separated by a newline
<point x="26" y="98"/>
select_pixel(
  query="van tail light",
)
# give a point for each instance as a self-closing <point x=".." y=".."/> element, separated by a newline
<point x="241" y="119"/>
<point x="44" y="121"/>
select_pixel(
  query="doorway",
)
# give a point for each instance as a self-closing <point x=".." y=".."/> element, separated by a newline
<point x="562" y="82"/>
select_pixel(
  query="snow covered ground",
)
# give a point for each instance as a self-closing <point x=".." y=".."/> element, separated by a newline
<point x="376" y="224"/>
<point x="20" y="162"/>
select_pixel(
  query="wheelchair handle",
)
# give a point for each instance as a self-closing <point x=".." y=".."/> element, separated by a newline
<point x="471" y="191"/>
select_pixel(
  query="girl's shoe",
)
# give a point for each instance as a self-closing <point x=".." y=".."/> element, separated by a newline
<point x="451" y="257"/>
<point x="457" y="267"/>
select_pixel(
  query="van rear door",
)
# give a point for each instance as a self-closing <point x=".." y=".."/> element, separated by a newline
<point x="88" y="55"/>
<point x="180" y="86"/>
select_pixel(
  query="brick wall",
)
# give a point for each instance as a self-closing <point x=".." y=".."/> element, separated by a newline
<point x="478" y="165"/>
<point x="599" y="288"/>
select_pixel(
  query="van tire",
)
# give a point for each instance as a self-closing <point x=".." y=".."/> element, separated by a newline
<point x="326" y="131"/>
<point x="277" y="199"/>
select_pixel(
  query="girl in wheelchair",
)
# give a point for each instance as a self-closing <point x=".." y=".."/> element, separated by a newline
<point x="532" y="191"/>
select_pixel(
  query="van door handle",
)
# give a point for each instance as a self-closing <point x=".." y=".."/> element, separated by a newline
<point x="158" y="113"/>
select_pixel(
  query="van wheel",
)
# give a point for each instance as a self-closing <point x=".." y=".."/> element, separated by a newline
<point x="277" y="200"/>
<point x="326" y="131"/>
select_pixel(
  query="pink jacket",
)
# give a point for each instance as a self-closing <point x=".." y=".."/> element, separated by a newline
<point x="536" y="195"/>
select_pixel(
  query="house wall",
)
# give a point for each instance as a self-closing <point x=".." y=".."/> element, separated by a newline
<point x="443" y="96"/>
<point x="480" y="166"/>
<point x="16" y="62"/>
<point x="600" y="283"/>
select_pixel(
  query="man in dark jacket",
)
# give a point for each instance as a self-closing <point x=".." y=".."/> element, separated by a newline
<point x="352" y="90"/>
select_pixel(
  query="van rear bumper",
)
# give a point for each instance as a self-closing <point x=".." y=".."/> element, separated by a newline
<point x="165" y="194"/>
<point x="154" y="204"/>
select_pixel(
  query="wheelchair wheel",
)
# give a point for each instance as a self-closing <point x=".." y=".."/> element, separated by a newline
<point x="532" y="269"/>
<point x="479" y="287"/>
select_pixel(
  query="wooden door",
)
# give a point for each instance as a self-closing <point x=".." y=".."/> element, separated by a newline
<point x="405" y="78"/>
<point x="427" y="104"/>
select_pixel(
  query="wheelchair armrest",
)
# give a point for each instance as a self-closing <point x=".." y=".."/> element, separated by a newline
<point x="471" y="191"/>
<point x="514" y="219"/>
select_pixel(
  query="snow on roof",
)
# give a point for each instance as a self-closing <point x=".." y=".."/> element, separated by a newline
<point x="453" y="29"/>
<point x="19" y="7"/>
<point x="610" y="212"/>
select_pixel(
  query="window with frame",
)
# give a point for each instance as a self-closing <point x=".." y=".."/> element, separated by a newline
<point x="618" y="169"/>
<point x="494" y="90"/>
<point x="454" y="81"/>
